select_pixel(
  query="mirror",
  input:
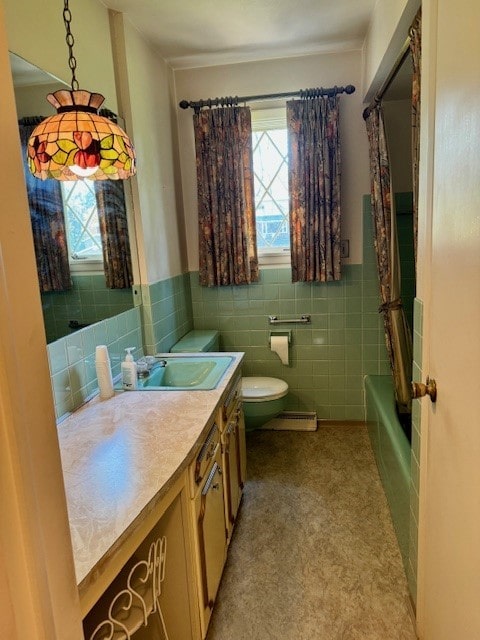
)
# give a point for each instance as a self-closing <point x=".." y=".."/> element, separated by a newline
<point x="89" y="300"/>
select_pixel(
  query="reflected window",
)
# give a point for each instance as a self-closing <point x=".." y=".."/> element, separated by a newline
<point x="81" y="219"/>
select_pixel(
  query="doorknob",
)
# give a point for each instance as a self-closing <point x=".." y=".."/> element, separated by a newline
<point x="428" y="389"/>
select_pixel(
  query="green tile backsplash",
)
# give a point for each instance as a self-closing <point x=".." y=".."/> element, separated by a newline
<point x="72" y="359"/>
<point x="166" y="313"/>
<point x="87" y="302"/>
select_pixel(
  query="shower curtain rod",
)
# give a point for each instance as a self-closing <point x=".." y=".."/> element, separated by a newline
<point x="389" y="79"/>
<point x="234" y="100"/>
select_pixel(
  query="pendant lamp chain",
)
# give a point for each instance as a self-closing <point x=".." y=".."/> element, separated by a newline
<point x="70" y="40"/>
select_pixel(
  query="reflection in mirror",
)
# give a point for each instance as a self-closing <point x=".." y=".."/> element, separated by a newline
<point x="81" y="234"/>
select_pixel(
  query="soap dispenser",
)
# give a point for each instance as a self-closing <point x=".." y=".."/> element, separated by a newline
<point x="129" y="371"/>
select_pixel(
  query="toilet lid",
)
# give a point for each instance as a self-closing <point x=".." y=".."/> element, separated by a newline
<point x="258" y="389"/>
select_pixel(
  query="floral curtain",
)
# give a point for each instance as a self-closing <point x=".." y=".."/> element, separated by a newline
<point x="314" y="185"/>
<point x="226" y="205"/>
<point x="112" y="216"/>
<point x="397" y="334"/>
<point x="416" y="54"/>
<point x="48" y="223"/>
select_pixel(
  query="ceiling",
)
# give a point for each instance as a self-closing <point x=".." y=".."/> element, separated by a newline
<point x="190" y="33"/>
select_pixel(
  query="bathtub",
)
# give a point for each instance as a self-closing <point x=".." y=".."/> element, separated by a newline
<point x="392" y="453"/>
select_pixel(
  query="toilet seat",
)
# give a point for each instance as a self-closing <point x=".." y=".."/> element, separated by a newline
<point x="260" y="389"/>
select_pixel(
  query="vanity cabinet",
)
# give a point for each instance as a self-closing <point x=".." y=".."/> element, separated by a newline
<point x="233" y="453"/>
<point x="153" y="484"/>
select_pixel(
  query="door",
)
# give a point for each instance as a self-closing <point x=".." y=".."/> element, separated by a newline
<point x="449" y="284"/>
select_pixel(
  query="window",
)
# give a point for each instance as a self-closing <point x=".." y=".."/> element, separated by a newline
<point x="82" y="225"/>
<point x="270" y="168"/>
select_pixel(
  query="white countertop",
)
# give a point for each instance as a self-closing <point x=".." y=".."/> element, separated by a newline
<point x="119" y="455"/>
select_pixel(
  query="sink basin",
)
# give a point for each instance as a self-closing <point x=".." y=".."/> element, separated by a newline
<point x="186" y="373"/>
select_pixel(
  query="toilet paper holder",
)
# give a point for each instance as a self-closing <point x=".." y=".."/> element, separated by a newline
<point x="280" y="333"/>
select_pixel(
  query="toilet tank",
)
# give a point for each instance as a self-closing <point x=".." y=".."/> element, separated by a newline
<point x="196" y="341"/>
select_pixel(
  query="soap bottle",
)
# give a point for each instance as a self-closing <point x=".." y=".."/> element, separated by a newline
<point x="129" y="371"/>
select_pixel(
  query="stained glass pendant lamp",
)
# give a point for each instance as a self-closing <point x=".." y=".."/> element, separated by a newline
<point x="77" y="142"/>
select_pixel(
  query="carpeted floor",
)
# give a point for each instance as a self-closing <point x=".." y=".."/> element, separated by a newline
<point x="314" y="555"/>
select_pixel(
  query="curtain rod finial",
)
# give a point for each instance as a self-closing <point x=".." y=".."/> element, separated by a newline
<point x="184" y="104"/>
<point x="349" y="89"/>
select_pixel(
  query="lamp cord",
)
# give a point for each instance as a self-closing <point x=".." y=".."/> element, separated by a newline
<point x="69" y="39"/>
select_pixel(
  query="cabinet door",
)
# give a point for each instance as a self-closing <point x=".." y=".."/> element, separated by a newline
<point x="232" y="470"/>
<point x="242" y="445"/>
<point x="212" y="539"/>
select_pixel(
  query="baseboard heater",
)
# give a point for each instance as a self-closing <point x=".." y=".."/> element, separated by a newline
<point x="293" y="421"/>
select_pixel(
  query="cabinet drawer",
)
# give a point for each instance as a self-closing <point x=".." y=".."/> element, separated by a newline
<point x="233" y="397"/>
<point x="202" y="462"/>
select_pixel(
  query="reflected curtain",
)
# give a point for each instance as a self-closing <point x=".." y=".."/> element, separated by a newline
<point x="416" y="55"/>
<point x="314" y="186"/>
<point x="226" y="205"/>
<point x="48" y="223"/>
<point x="112" y="216"/>
<point x="397" y="334"/>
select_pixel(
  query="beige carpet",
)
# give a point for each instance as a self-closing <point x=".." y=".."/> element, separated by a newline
<point x="314" y="555"/>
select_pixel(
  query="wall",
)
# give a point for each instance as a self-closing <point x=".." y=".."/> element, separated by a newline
<point x="144" y="82"/>
<point x="328" y="358"/>
<point x="398" y="125"/>
<point x="273" y="76"/>
<point x="388" y="31"/>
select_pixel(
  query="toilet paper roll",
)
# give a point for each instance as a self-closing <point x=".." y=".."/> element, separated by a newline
<point x="279" y="345"/>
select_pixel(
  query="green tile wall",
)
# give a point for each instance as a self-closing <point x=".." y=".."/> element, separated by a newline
<point x="328" y="358"/>
<point x="88" y="301"/>
<point x="72" y="359"/>
<point x="415" y="459"/>
<point x="166" y="313"/>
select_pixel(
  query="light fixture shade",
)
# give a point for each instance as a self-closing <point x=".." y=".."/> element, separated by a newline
<point x="78" y="143"/>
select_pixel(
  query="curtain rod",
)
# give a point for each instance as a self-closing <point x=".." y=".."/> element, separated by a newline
<point x="389" y="79"/>
<point x="234" y="100"/>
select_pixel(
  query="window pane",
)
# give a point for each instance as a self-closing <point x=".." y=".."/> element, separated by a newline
<point x="81" y="218"/>
<point x="270" y="167"/>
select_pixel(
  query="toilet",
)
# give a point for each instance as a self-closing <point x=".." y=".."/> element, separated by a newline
<point x="262" y="399"/>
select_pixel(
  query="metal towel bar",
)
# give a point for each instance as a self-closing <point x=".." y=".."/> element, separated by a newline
<point x="305" y="319"/>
